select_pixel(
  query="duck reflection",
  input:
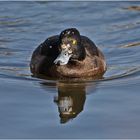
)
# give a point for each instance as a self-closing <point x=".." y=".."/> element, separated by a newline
<point x="70" y="101"/>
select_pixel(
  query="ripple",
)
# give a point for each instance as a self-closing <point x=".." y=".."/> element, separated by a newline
<point x="133" y="44"/>
<point x="13" y="22"/>
<point x="5" y="51"/>
<point x="133" y="8"/>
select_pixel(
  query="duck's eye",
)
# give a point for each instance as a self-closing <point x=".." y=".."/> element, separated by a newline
<point x="73" y="42"/>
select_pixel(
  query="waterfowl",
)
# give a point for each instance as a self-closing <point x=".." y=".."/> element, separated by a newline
<point x="68" y="55"/>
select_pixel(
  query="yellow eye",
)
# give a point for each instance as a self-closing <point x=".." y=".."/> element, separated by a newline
<point x="74" y="42"/>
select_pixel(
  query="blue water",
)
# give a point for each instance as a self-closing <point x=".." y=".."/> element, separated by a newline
<point x="107" y="108"/>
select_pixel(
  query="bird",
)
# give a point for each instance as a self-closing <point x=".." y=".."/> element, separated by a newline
<point x="68" y="55"/>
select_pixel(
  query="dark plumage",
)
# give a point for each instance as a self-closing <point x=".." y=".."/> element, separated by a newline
<point x="68" y="55"/>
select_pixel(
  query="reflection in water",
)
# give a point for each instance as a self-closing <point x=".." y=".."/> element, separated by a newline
<point x="70" y="100"/>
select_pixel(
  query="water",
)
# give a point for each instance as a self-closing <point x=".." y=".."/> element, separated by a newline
<point x="107" y="108"/>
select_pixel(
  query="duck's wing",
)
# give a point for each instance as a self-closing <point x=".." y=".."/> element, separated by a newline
<point x="44" y="55"/>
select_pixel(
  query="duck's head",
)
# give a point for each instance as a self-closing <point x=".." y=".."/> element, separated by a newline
<point x="70" y="47"/>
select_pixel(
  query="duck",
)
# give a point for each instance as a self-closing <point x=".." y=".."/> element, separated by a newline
<point x="68" y="55"/>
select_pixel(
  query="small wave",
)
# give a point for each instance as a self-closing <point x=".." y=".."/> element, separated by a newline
<point x="133" y="44"/>
<point x="128" y="77"/>
<point x="133" y="8"/>
<point x="128" y="73"/>
<point x="14" y="77"/>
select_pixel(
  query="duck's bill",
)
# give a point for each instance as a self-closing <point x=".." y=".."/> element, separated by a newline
<point x="63" y="58"/>
<point x="65" y="105"/>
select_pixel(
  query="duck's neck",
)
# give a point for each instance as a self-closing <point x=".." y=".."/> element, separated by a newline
<point x="80" y="54"/>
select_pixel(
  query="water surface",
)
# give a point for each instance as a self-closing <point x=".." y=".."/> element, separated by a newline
<point x="107" y="108"/>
